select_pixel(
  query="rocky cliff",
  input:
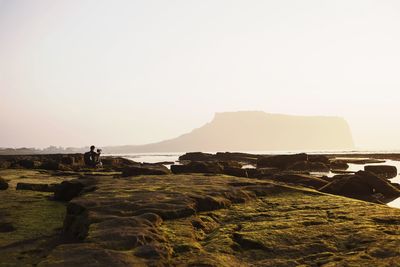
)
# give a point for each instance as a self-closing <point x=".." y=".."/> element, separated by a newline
<point x="257" y="131"/>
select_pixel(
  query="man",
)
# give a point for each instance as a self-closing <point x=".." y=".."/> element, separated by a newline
<point x="91" y="157"/>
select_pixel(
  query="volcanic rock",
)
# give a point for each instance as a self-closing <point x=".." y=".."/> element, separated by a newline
<point x="145" y="169"/>
<point x="29" y="164"/>
<point x="309" y="166"/>
<point x="281" y="161"/>
<point x="362" y="185"/>
<point x="197" y="156"/>
<point x="37" y="187"/>
<point x="339" y="165"/>
<point x="236" y="156"/>
<point x="383" y="171"/>
<point x="238" y="172"/>
<point x="67" y="190"/>
<point x="3" y="184"/>
<point x="301" y="179"/>
<point x="319" y="158"/>
<point x="198" y="167"/>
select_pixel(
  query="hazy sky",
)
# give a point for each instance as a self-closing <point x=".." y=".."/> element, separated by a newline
<point x="75" y="72"/>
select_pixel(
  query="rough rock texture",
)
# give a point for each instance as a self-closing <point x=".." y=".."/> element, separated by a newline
<point x="89" y="255"/>
<point x="360" y="161"/>
<point x="362" y="185"/>
<point x="221" y="156"/>
<point x="281" y="161"/>
<point x="296" y="162"/>
<point x="261" y="172"/>
<point x="383" y="171"/>
<point x="29" y="222"/>
<point x="301" y="179"/>
<point x="195" y="219"/>
<point x="37" y="187"/>
<point x="203" y="220"/>
<point x="198" y="167"/>
<point x="319" y="158"/>
<point x="63" y="162"/>
<point x="117" y="162"/>
<point x="309" y="166"/>
<point x="145" y="169"/>
<point x="67" y="190"/>
<point x="338" y="165"/>
<point x="234" y="171"/>
<point x="3" y="184"/>
<point x="197" y="156"/>
<point x="28" y="163"/>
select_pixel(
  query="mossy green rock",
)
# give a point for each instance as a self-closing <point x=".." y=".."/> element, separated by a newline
<point x="218" y="220"/>
<point x="190" y="220"/>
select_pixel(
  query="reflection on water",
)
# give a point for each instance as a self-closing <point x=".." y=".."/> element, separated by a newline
<point x="356" y="167"/>
<point x="150" y="157"/>
<point x="173" y="157"/>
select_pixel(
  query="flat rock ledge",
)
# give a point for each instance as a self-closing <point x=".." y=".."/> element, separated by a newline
<point x="219" y="220"/>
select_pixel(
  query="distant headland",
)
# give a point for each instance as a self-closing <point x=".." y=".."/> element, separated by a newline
<point x="242" y="131"/>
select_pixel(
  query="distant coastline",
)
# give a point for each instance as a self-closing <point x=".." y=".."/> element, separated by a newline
<point x="240" y="131"/>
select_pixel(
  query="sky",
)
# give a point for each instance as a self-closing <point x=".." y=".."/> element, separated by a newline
<point x="79" y="72"/>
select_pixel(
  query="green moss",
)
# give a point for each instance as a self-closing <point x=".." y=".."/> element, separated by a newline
<point x="282" y="226"/>
<point x="31" y="214"/>
<point x="35" y="218"/>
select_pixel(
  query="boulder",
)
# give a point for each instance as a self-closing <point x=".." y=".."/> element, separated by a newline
<point x="383" y="171"/>
<point x="238" y="172"/>
<point x="252" y="172"/>
<point x="361" y="185"/>
<point x="145" y="169"/>
<point x="6" y="227"/>
<point x="52" y="165"/>
<point x="236" y="156"/>
<point x="230" y="164"/>
<point x="197" y="156"/>
<point x="339" y="165"/>
<point x="68" y="160"/>
<point x="319" y="158"/>
<point x="177" y="169"/>
<point x="3" y="184"/>
<point x="37" y="187"/>
<point x="309" y="166"/>
<point x="165" y="162"/>
<point x="261" y="172"/>
<point x="5" y="164"/>
<point x="118" y="162"/>
<point x="301" y="179"/>
<point x="28" y="164"/>
<point x="198" y="167"/>
<point x="67" y="190"/>
<point x="281" y="161"/>
<point x="319" y="167"/>
<point x="360" y="161"/>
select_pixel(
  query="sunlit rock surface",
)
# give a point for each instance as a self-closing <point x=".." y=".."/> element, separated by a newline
<point x="191" y="219"/>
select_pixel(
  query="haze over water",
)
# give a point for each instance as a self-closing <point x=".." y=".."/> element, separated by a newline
<point x="75" y="73"/>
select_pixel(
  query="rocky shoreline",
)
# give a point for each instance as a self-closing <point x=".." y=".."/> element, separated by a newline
<point x="208" y="210"/>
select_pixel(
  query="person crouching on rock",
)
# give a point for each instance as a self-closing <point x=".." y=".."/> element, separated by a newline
<point x="92" y="158"/>
<point x="98" y="160"/>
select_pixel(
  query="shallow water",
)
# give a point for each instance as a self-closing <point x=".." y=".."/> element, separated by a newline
<point x="356" y="167"/>
<point x="150" y="157"/>
<point x="173" y="157"/>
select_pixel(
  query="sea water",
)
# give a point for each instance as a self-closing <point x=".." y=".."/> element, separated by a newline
<point x="174" y="157"/>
